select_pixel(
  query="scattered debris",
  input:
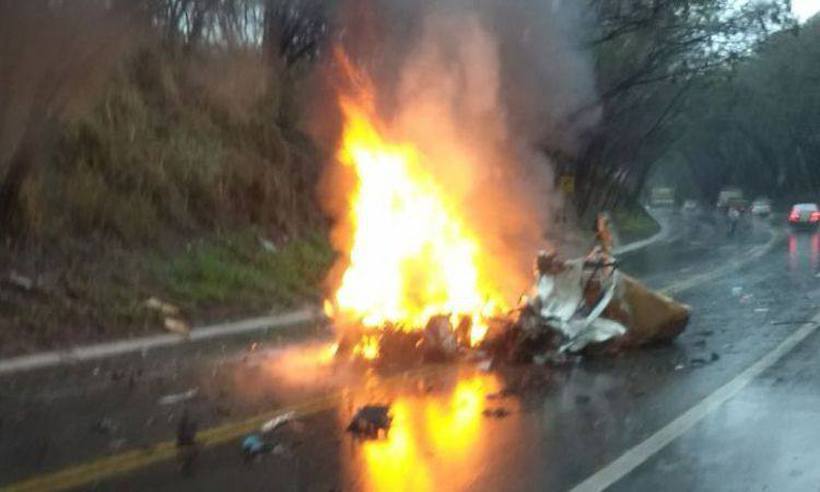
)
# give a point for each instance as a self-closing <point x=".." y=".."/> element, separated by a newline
<point x="253" y="446"/>
<point x="369" y="420"/>
<point x="736" y="291"/>
<point x="679" y="367"/>
<point x="178" y="397"/>
<point x="498" y="413"/>
<point x="20" y="281"/>
<point x="276" y="422"/>
<point x="105" y="426"/>
<point x="178" y="326"/>
<point x="166" y="309"/>
<point x="700" y="361"/>
<point x="187" y="449"/>
<point x="280" y="450"/>
<point x="186" y="430"/>
<point x="268" y="245"/>
<point x="575" y="307"/>
<point x="762" y="310"/>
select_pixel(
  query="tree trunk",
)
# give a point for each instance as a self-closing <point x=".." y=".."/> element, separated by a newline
<point x="19" y="167"/>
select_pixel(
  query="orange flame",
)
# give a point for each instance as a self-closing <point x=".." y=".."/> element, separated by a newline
<point x="412" y="253"/>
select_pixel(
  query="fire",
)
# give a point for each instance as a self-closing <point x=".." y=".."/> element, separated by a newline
<point x="367" y="348"/>
<point x="412" y="255"/>
<point x="436" y="442"/>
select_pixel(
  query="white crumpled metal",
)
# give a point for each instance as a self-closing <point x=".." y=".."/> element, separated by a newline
<point x="558" y="299"/>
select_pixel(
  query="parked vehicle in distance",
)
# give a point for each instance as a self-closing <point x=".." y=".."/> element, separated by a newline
<point x="804" y="215"/>
<point x="762" y="207"/>
<point x="690" y="206"/>
<point x="729" y="197"/>
<point x="662" y="197"/>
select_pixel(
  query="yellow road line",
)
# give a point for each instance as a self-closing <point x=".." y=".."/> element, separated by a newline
<point x="127" y="461"/>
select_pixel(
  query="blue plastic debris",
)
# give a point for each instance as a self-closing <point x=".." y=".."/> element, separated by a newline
<point x="253" y="445"/>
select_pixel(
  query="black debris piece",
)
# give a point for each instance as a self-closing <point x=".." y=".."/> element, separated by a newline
<point x="187" y="449"/>
<point x="186" y="430"/>
<point x="369" y="420"/>
<point x="254" y="446"/>
<point x="105" y="426"/>
<point x="498" y="413"/>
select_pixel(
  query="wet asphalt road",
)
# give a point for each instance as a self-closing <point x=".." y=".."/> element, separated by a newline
<point x="563" y="425"/>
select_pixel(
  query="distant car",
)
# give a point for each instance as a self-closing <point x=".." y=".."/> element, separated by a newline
<point x="804" y="215"/>
<point x="726" y="197"/>
<point x="662" y="197"/>
<point x="762" y="207"/>
<point x="689" y="206"/>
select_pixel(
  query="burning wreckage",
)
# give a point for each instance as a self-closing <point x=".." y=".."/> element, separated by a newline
<point x="425" y="271"/>
<point x="430" y="221"/>
<point x="576" y="307"/>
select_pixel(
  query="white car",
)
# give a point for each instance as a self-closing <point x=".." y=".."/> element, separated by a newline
<point x="690" y="206"/>
<point x="761" y="207"/>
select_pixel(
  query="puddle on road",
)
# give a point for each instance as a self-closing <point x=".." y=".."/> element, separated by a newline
<point x="804" y="252"/>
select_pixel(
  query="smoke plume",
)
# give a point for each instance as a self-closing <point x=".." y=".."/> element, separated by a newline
<point x="481" y="88"/>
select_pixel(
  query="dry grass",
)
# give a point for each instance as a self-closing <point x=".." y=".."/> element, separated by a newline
<point x="163" y="187"/>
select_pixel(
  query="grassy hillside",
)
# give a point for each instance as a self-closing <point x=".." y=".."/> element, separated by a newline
<point x="187" y="178"/>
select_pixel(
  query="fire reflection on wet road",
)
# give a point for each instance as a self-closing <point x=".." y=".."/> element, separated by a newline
<point x="438" y="438"/>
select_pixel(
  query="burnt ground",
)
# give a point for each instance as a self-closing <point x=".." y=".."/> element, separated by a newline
<point x="544" y="428"/>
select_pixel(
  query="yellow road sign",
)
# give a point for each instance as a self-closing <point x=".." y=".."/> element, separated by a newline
<point x="568" y="184"/>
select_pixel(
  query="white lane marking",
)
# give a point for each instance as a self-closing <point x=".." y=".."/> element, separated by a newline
<point x="635" y="456"/>
<point x="102" y="350"/>
<point x="735" y="264"/>
<point x="636" y="245"/>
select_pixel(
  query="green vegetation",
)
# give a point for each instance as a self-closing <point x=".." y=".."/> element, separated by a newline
<point x="142" y="155"/>
<point x="163" y="151"/>
<point x="755" y="127"/>
<point x="218" y="272"/>
<point x="634" y="223"/>
<point x="649" y="59"/>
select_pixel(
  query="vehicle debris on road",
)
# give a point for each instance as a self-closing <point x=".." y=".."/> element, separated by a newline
<point x="254" y="446"/>
<point x="187" y="448"/>
<point x="498" y="413"/>
<point x="164" y="308"/>
<point x="576" y="307"/>
<point x="178" y="397"/>
<point x="276" y="422"/>
<point x="369" y="420"/>
<point x="178" y="326"/>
